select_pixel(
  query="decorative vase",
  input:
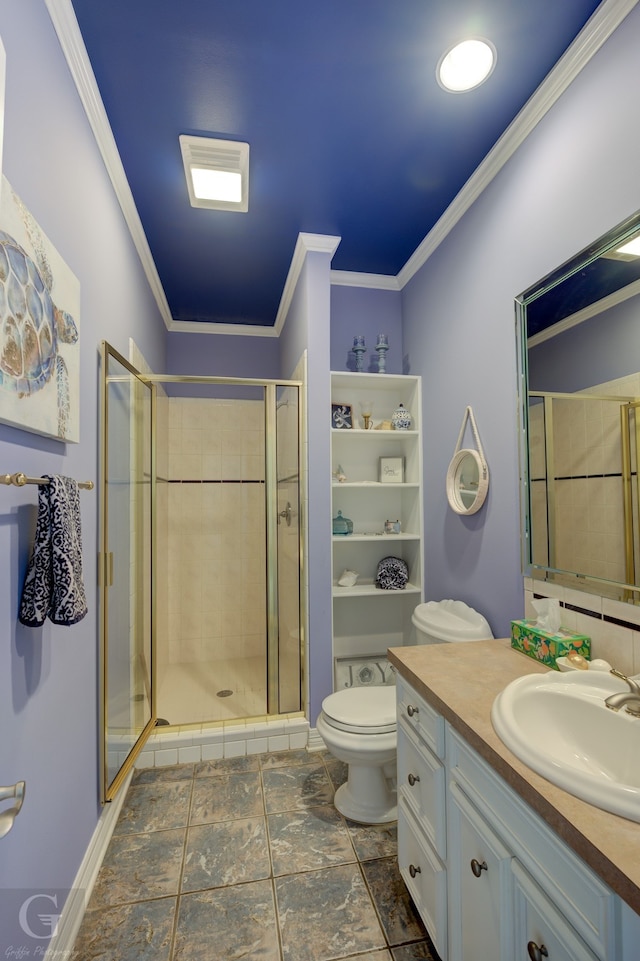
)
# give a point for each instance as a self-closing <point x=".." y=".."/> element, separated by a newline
<point x="342" y="525"/>
<point x="401" y="418"/>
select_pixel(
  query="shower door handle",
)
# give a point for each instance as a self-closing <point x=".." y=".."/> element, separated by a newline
<point x="286" y="514"/>
<point x="105" y="569"/>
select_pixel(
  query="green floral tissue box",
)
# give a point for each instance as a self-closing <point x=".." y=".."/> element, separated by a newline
<point x="545" y="647"/>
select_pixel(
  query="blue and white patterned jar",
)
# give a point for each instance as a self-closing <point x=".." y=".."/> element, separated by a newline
<point x="401" y="418"/>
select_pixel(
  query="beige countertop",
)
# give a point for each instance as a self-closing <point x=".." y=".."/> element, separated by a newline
<point x="461" y="681"/>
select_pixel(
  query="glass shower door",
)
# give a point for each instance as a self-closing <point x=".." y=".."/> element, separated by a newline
<point x="128" y="700"/>
<point x="285" y="648"/>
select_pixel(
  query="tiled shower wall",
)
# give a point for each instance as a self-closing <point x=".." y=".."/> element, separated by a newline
<point x="587" y="452"/>
<point x="212" y="496"/>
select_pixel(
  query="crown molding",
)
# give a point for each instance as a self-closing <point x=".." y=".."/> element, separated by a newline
<point x="66" y="26"/>
<point x="606" y="19"/>
<point x="592" y="310"/>
<point x="305" y="244"/>
<point x="211" y="327"/>
<point x="349" y="278"/>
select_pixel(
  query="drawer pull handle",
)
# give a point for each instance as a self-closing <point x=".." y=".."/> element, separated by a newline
<point x="537" y="953"/>
<point x="413" y="870"/>
<point x="411" y="710"/>
<point x="413" y="778"/>
<point x="477" y="867"/>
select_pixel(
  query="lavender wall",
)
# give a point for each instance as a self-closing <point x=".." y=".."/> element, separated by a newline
<point x="223" y="355"/>
<point x="307" y="328"/>
<point x="556" y="194"/>
<point x="360" y="310"/>
<point x="49" y="676"/>
<point x="596" y="351"/>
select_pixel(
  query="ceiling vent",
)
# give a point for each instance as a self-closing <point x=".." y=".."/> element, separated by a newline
<point x="217" y="172"/>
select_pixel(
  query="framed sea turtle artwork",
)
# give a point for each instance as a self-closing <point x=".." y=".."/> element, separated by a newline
<point x="39" y="328"/>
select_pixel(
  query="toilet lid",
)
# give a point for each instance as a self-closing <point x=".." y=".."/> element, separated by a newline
<point x="363" y="710"/>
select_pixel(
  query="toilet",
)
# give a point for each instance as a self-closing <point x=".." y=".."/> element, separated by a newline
<point x="358" y="724"/>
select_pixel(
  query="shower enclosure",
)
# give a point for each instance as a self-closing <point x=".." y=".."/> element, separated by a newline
<point x="200" y="553"/>
<point x="583" y="488"/>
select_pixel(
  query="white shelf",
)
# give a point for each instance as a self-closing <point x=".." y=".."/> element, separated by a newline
<point x="370" y="590"/>
<point x="350" y="380"/>
<point x="379" y="434"/>
<point x="360" y="625"/>
<point x="373" y="538"/>
<point x="368" y="485"/>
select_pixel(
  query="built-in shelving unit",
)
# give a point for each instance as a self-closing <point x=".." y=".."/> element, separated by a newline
<point x="367" y="620"/>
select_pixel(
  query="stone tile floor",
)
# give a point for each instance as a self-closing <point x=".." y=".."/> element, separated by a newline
<point x="246" y="858"/>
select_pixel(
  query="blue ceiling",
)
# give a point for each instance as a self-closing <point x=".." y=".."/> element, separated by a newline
<point x="350" y="134"/>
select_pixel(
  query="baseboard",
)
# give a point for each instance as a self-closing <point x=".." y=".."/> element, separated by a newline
<point x="61" y="944"/>
<point x="315" y="742"/>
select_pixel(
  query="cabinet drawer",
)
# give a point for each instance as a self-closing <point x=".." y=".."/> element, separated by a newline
<point x="425" y="876"/>
<point x="420" y="717"/>
<point x="422" y="783"/>
<point x="538" y="922"/>
<point x="585" y="900"/>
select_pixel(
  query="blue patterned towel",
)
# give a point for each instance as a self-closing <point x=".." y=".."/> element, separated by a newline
<point x="53" y="586"/>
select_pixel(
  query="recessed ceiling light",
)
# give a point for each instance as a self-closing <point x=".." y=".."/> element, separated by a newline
<point x="466" y="65"/>
<point x="217" y="185"/>
<point x="217" y="172"/>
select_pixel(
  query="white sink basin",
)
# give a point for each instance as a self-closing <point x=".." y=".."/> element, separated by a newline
<point x="559" y="726"/>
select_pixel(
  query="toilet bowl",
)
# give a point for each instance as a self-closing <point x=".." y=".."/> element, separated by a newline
<point x="358" y="724"/>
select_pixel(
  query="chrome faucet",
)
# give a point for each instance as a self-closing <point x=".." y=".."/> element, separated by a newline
<point x="629" y="699"/>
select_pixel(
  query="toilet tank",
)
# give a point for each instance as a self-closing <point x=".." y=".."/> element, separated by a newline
<point x="442" y="622"/>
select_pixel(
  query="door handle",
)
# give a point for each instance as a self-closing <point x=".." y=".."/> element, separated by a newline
<point x="286" y="514"/>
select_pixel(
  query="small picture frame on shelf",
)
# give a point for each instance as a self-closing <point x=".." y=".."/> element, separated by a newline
<point x="341" y="416"/>
<point x="392" y="470"/>
<point x="368" y="670"/>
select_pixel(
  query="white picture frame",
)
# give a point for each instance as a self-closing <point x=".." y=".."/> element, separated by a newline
<point x="391" y="470"/>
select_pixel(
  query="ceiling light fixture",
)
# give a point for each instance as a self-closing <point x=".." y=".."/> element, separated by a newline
<point x="466" y="65"/>
<point x="217" y="172"/>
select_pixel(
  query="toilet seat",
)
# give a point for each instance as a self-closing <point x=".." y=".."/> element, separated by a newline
<point x="362" y="710"/>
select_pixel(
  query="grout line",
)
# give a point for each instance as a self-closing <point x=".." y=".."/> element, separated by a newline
<point x="165" y="784"/>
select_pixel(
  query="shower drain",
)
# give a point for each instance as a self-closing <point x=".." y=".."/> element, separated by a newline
<point x="224" y="693"/>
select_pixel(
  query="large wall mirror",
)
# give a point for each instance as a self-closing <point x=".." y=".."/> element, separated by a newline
<point x="579" y="349"/>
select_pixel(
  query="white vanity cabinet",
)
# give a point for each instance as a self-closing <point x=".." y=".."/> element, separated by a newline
<point x="366" y="619"/>
<point x="422" y="838"/>
<point x="513" y="888"/>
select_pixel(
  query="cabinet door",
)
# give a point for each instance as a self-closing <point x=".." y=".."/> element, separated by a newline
<point x="541" y="932"/>
<point x="479" y="881"/>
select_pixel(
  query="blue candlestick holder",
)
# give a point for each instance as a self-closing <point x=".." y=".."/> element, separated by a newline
<point x="359" y="351"/>
<point x="382" y="356"/>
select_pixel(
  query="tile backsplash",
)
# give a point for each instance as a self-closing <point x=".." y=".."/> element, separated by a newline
<point x="613" y="626"/>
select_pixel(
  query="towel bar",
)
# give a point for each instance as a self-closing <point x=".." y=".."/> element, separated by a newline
<point x="19" y="480"/>
<point x="8" y="816"/>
